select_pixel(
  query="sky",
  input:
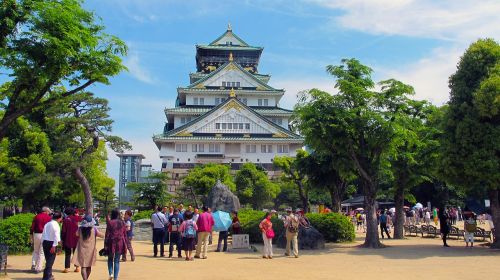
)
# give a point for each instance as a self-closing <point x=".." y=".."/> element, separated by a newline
<point x="416" y="41"/>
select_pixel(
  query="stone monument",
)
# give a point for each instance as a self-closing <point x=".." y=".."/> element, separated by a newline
<point x="222" y="199"/>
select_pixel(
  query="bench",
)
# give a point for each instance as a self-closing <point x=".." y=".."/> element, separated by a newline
<point x="425" y="229"/>
<point x="415" y="229"/>
<point x="432" y="230"/>
<point x="480" y="232"/>
<point x="454" y="231"/>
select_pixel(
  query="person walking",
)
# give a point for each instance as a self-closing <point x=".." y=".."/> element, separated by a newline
<point x="51" y="237"/>
<point x="222" y="239"/>
<point x="188" y="231"/>
<point x="292" y="232"/>
<point x="114" y="242"/>
<point x="129" y="224"/>
<point x="205" y="223"/>
<point x="174" y="224"/>
<point x="266" y="227"/>
<point x="444" y="224"/>
<point x="86" y="253"/>
<point x="383" y="224"/>
<point x="158" y="223"/>
<point x="69" y="238"/>
<point x="39" y="222"/>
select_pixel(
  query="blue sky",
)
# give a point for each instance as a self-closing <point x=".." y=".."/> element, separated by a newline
<point x="416" y="41"/>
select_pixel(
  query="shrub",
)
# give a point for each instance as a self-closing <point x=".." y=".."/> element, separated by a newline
<point x="145" y="214"/>
<point x="335" y="227"/>
<point x="250" y="220"/>
<point x="15" y="232"/>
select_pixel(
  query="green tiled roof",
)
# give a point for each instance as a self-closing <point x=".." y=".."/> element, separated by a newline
<point x="222" y="67"/>
<point x="229" y="47"/>
<point x="201" y="110"/>
<point x="160" y="137"/>
<point x="226" y="91"/>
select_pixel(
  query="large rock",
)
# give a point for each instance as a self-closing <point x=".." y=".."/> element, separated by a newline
<point x="309" y="239"/>
<point x="142" y="230"/>
<point x="222" y="199"/>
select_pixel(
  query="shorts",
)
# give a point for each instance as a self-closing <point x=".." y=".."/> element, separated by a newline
<point x="469" y="237"/>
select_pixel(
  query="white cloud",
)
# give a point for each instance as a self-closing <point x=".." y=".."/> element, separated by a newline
<point x="447" y="19"/>
<point x="293" y="86"/>
<point x="429" y="75"/>
<point x="135" y="68"/>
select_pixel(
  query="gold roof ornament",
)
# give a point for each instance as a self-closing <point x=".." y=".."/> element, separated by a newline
<point x="232" y="93"/>
<point x="231" y="56"/>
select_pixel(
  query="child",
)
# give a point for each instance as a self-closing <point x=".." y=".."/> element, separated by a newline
<point x="188" y="231"/>
<point x="470" y="227"/>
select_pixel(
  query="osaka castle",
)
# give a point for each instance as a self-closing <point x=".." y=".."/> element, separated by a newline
<point x="229" y="113"/>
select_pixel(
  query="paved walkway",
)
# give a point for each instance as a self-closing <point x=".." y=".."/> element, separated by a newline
<point x="413" y="258"/>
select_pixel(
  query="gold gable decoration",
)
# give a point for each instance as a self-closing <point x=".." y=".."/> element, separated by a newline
<point x="231" y="56"/>
<point x="233" y="104"/>
<point x="280" y="135"/>
<point x="232" y="93"/>
<point x="184" y="133"/>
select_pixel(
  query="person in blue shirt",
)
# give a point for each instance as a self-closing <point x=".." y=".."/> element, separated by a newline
<point x="383" y="224"/>
<point x="174" y="224"/>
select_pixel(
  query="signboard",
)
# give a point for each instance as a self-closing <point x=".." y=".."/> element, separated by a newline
<point x="241" y="241"/>
<point x="314" y="209"/>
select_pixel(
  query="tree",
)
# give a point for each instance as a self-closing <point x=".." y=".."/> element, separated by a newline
<point x="51" y="49"/>
<point x="415" y="157"/>
<point x="470" y="142"/>
<point x="82" y="123"/>
<point x="202" y="178"/>
<point x="327" y="172"/>
<point x="358" y="123"/>
<point x="291" y="172"/>
<point x="152" y="192"/>
<point x="253" y="186"/>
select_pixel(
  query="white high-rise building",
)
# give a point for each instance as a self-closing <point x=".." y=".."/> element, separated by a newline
<point x="228" y="114"/>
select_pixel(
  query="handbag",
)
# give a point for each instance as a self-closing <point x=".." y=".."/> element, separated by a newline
<point x="270" y="233"/>
<point x="103" y="252"/>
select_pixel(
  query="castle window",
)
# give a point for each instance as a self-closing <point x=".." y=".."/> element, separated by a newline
<point x="259" y="102"/>
<point x="202" y="101"/>
<point x="251" y="149"/>
<point x="283" y="149"/>
<point x="247" y="126"/>
<point x="195" y="101"/>
<point x="266" y="102"/>
<point x="223" y="84"/>
<point x="217" y="126"/>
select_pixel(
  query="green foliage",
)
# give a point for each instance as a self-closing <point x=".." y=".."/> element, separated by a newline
<point x="47" y="46"/>
<point x="293" y="173"/>
<point x="15" y="232"/>
<point x="471" y="136"/>
<point x="335" y="227"/>
<point x="250" y="220"/>
<point x="144" y="214"/>
<point x="202" y="178"/>
<point x="151" y="193"/>
<point x="253" y="186"/>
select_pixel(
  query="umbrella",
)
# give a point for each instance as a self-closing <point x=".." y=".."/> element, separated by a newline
<point x="359" y="209"/>
<point x="222" y="221"/>
<point x="419" y="205"/>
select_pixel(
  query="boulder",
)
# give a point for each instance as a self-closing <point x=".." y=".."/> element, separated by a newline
<point x="309" y="239"/>
<point x="142" y="230"/>
<point x="222" y="199"/>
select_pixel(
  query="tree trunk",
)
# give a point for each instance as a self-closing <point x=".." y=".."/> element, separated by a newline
<point x="399" y="221"/>
<point x="372" y="237"/>
<point x="87" y="192"/>
<point x="303" y="196"/>
<point x="335" y="197"/>
<point x="495" y="213"/>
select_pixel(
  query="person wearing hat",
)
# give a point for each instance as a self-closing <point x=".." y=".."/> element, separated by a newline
<point x="86" y="253"/>
<point x="39" y="221"/>
<point x="292" y="232"/>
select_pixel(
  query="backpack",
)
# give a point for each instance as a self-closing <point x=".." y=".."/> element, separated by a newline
<point x="189" y="231"/>
<point x="470" y="226"/>
<point x="293" y="226"/>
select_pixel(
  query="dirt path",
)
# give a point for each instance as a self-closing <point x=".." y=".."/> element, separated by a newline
<point x="413" y="258"/>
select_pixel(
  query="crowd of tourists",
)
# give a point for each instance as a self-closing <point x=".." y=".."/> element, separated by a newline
<point x="77" y="238"/>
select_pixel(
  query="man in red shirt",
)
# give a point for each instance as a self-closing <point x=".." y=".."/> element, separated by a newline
<point x="36" y="230"/>
<point x="205" y="223"/>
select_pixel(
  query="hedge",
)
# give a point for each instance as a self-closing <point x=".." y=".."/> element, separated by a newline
<point x="145" y="214"/>
<point x="15" y="232"/>
<point x="250" y="220"/>
<point x="335" y="227"/>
